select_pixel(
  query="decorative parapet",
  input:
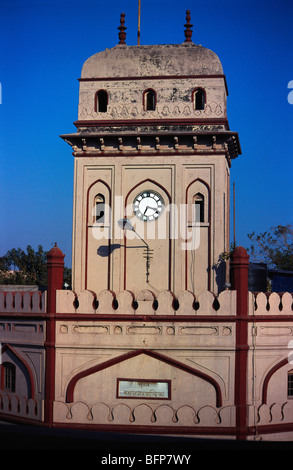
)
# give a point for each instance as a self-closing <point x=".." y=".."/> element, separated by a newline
<point x="23" y="302"/>
<point x="146" y="303"/>
<point x="21" y="407"/>
<point x="273" y="303"/>
<point x="145" y="413"/>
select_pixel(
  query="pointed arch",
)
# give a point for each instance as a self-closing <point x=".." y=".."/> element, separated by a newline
<point x="146" y="181"/>
<point x="198" y="99"/>
<point x="154" y="355"/>
<point x="199" y="202"/>
<point x="167" y="201"/>
<point x="99" y="209"/>
<point x="101" y="101"/>
<point x="203" y="189"/>
<point x="269" y="376"/>
<point x="31" y="387"/>
<point x="102" y="190"/>
<point x="199" y="187"/>
<point x="98" y="189"/>
<point x="149" y="100"/>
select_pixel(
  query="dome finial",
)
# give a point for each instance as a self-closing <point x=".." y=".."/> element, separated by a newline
<point x="122" y="28"/>
<point x="188" y="26"/>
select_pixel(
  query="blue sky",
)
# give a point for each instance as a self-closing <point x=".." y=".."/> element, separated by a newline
<point x="44" y="44"/>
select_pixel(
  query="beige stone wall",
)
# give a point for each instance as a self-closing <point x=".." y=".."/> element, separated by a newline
<point x="174" y="99"/>
<point x="22" y="344"/>
<point x="177" y="179"/>
<point x="188" y="157"/>
<point x="193" y="400"/>
<point x="207" y="347"/>
<point x="270" y="349"/>
<point x="202" y="347"/>
<point x="190" y="342"/>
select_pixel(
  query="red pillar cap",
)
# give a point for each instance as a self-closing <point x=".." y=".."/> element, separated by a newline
<point x="55" y="252"/>
<point x="239" y="251"/>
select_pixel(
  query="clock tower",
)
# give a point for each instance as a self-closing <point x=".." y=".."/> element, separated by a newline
<point x="152" y="153"/>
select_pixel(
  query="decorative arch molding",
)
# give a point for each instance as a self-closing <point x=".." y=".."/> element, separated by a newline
<point x="205" y="184"/>
<point x="269" y="375"/>
<point x="108" y="197"/>
<point x="202" y="187"/>
<point x="208" y="220"/>
<point x="199" y="104"/>
<point x="169" y="201"/>
<point x="154" y="355"/>
<point x="31" y="388"/>
<point x="101" y="101"/>
<point x="149" y="99"/>
<point x="145" y="181"/>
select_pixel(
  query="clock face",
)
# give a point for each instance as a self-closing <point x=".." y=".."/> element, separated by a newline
<point x="148" y="205"/>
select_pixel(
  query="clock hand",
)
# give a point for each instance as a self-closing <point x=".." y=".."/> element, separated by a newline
<point x="149" y="207"/>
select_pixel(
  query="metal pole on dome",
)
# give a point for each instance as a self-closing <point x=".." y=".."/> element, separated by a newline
<point x="138" y="28"/>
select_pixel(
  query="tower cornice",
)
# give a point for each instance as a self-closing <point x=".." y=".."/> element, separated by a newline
<point x="168" y="124"/>
<point x="164" y="141"/>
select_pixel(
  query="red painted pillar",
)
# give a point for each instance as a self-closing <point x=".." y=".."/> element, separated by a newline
<point x="55" y="268"/>
<point x="239" y="267"/>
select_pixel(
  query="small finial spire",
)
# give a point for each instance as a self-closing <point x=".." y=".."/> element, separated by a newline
<point x="122" y="28"/>
<point x="188" y="26"/>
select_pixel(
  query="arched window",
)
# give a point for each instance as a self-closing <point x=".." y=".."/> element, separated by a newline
<point x="199" y="207"/>
<point x="101" y="101"/>
<point x="149" y="100"/>
<point x="99" y="209"/>
<point x="290" y="383"/>
<point x="9" y="373"/>
<point x="198" y="98"/>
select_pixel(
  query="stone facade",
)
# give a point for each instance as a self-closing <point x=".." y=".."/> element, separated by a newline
<point x="188" y="341"/>
<point x="179" y="148"/>
<point x="152" y="338"/>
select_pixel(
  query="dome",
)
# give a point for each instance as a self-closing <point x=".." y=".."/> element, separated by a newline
<point x="155" y="60"/>
<point x="55" y="252"/>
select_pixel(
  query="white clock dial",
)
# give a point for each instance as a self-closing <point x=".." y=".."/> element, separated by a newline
<point x="148" y="205"/>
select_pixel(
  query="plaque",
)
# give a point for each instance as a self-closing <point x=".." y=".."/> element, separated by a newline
<point x="152" y="389"/>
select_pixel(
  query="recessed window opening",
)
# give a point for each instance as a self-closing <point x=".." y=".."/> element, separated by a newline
<point x="101" y="101"/>
<point x="9" y="376"/>
<point x="149" y="100"/>
<point x="199" y="207"/>
<point x="199" y="99"/>
<point x="290" y="383"/>
<point x="99" y="209"/>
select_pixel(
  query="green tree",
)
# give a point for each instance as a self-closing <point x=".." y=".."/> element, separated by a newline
<point x="67" y="276"/>
<point x="27" y="267"/>
<point x="274" y="247"/>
